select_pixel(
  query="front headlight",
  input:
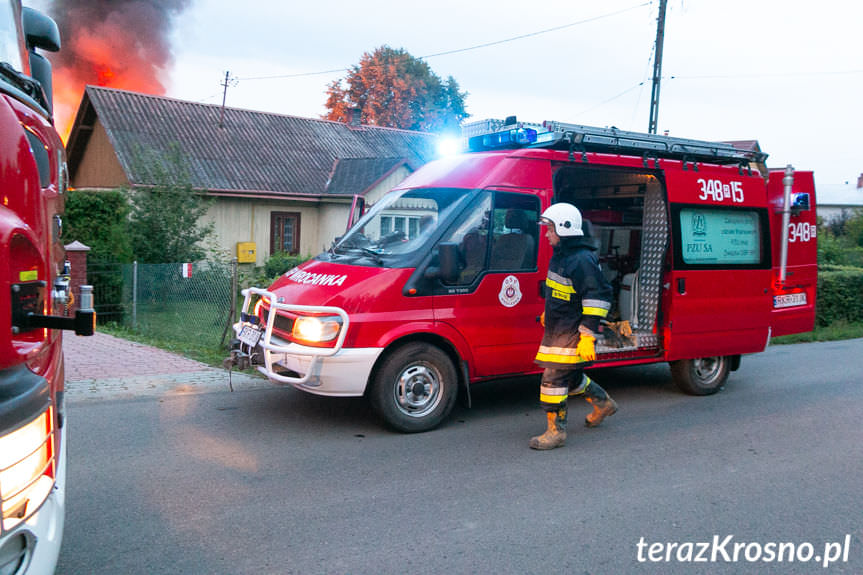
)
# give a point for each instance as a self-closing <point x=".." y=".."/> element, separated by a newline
<point x="26" y="470"/>
<point x="316" y="329"/>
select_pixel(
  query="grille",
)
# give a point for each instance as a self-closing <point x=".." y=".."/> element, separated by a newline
<point x="282" y="325"/>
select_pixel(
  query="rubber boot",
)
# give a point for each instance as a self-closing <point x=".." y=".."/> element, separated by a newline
<point x="603" y="406"/>
<point x="555" y="435"/>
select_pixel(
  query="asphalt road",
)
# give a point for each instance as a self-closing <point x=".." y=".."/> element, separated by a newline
<point x="276" y="481"/>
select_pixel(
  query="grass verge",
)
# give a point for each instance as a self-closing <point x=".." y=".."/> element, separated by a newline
<point x="205" y="351"/>
<point x="838" y="330"/>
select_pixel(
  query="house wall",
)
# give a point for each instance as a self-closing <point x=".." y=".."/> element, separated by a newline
<point x="385" y="185"/>
<point x="244" y="220"/>
<point x="99" y="167"/>
<point x="331" y="224"/>
<point x="831" y="213"/>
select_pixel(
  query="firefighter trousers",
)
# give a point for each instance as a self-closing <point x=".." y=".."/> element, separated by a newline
<point x="559" y="384"/>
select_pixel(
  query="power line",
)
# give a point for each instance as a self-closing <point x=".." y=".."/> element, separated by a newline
<point x="537" y="33"/>
<point x="725" y="77"/>
<point x="469" y="48"/>
<point x="760" y="75"/>
<point x="604" y="102"/>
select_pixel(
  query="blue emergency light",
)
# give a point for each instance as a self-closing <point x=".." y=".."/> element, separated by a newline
<point x="508" y="138"/>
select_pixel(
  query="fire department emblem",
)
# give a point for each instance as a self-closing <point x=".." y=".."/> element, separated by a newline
<point x="510" y="292"/>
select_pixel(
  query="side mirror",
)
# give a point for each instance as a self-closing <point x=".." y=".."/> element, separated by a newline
<point x="41" y="31"/>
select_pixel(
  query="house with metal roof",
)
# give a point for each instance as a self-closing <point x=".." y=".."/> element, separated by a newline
<point x="838" y="202"/>
<point x="279" y="183"/>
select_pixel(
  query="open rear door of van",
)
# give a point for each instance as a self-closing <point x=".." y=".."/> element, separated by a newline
<point x="793" y="306"/>
<point x="717" y="298"/>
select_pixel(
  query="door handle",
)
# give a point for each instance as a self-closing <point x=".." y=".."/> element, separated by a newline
<point x="681" y="285"/>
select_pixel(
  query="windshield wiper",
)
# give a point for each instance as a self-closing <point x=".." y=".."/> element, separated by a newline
<point x="27" y="85"/>
<point x="341" y="249"/>
<point x="375" y="255"/>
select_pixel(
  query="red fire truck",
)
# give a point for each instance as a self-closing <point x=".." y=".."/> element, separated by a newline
<point x="34" y="297"/>
<point x="440" y="284"/>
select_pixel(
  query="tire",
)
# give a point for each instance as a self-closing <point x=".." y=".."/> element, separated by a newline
<point x="415" y="388"/>
<point x="702" y="375"/>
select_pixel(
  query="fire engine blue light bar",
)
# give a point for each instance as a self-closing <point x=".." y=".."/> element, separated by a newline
<point x="503" y="139"/>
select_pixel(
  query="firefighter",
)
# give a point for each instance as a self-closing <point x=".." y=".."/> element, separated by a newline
<point x="577" y="297"/>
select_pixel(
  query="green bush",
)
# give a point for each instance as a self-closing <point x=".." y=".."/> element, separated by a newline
<point x="99" y="220"/>
<point x="840" y="295"/>
<point x="830" y="248"/>
<point x="276" y="265"/>
<point x="840" y="240"/>
<point x="280" y="262"/>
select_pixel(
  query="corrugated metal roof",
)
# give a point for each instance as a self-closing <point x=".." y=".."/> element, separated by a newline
<point x="252" y="151"/>
<point x="357" y="175"/>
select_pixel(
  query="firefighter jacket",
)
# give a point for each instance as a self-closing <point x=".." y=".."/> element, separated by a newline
<point x="577" y="297"/>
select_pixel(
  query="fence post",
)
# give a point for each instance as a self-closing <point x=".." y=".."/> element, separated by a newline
<point x="232" y="315"/>
<point x="134" y="295"/>
<point x="235" y="285"/>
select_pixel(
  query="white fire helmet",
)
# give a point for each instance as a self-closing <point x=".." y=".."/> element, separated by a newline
<point x="566" y="219"/>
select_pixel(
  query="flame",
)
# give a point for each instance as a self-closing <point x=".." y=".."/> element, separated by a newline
<point x="120" y="44"/>
<point x="105" y="75"/>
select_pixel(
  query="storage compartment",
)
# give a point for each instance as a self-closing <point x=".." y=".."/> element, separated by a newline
<point x="626" y="217"/>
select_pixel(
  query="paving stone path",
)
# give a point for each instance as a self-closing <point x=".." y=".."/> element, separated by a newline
<point x="105" y="367"/>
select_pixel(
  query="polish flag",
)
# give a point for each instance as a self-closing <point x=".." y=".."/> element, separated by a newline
<point x="187" y="270"/>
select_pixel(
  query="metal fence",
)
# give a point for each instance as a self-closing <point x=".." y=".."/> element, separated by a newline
<point x="167" y="301"/>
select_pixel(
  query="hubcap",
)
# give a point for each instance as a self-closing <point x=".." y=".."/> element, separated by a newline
<point x="418" y="390"/>
<point x="707" y="369"/>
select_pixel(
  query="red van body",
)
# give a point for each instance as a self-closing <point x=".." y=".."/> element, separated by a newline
<point x="440" y="284"/>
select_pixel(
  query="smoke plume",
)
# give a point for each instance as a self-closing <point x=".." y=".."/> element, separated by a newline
<point x="116" y="43"/>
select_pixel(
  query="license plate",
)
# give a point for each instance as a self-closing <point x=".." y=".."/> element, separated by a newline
<point x="250" y="335"/>
<point x="789" y="300"/>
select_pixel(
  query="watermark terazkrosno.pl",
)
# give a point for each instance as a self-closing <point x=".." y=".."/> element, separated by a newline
<point x="728" y="550"/>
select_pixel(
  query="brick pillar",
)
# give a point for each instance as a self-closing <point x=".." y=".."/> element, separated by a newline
<point x="76" y="253"/>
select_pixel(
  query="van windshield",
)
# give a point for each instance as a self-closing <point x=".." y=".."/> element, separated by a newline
<point x="400" y="225"/>
<point x="11" y="46"/>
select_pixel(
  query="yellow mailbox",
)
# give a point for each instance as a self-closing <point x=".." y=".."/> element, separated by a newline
<point x="246" y="252"/>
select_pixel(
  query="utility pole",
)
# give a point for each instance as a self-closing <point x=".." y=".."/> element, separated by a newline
<point x="657" y="69"/>
<point x="228" y="82"/>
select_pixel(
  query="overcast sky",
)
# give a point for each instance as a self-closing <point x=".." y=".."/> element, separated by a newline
<point x="788" y="73"/>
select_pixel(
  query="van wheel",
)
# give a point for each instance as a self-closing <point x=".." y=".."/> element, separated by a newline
<point x="415" y="388"/>
<point x="702" y="375"/>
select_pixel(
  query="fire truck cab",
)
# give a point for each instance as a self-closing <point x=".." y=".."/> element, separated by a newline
<point x="34" y="299"/>
<point x="440" y="285"/>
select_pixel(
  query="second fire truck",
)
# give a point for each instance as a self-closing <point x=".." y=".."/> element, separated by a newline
<point x="439" y="285"/>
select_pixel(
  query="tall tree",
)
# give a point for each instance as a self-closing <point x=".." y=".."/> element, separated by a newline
<point x="98" y="220"/>
<point x="165" y="219"/>
<point x="391" y="88"/>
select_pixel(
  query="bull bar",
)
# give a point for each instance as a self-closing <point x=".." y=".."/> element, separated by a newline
<point x="270" y="348"/>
